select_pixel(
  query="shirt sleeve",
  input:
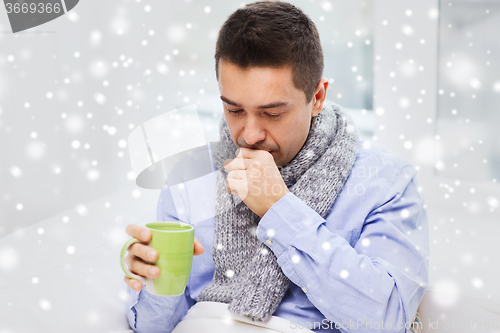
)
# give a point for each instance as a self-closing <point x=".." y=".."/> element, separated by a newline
<point x="157" y="314"/>
<point x="376" y="285"/>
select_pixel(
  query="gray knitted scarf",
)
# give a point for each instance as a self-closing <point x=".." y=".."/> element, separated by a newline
<point x="247" y="275"/>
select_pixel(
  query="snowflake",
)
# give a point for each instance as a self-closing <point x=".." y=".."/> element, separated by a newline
<point x="8" y="259"/>
<point x="477" y="283"/>
<point x="16" y="171"/>
<point x="44" y="304"/>
<point x="82" y="210"/>
<point x="70" y="249"/>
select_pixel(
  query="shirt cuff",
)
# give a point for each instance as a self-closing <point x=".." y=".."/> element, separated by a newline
<point x="286" y="219"/>
<point x="130" y="312"/>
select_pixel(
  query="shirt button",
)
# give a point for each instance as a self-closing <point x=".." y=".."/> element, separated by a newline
<point x="304" y="289"/>
<point x="269" y="242"/>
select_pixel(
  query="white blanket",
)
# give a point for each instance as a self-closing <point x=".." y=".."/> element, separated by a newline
<point x="213" y="317"/>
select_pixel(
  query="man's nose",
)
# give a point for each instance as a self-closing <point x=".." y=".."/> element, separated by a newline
<point x="253" y="132"/>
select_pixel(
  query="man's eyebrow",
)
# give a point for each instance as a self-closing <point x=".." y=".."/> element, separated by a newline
<point x="267" y="106"/>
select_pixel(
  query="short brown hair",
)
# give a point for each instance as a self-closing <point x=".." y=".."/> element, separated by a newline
<point x="273" y="34"/>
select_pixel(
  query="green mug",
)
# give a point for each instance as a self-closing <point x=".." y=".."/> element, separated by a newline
<point x="174" y="242"/>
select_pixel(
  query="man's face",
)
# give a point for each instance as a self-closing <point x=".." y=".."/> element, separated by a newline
<point x="269" y="112"/>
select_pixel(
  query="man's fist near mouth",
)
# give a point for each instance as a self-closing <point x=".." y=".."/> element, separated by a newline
<point x="255" y="178"/>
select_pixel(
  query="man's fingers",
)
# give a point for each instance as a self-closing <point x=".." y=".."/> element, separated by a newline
<point x="133" y="283"/>
<point x="241" y="164"/>
<point x="235" y="164"/>
<point x="248" y="153"/>
<point x="144" y="269"/>
<point x="237" y="174"/>
<point x="137" y="267"/>
<point x="141" y="233"/>
<point x="198" y="248"/>
<point x="235" y="184"/>
<point x="144" y="252"/>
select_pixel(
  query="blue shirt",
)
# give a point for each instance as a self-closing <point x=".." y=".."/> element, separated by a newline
<point x="363" y="269"/>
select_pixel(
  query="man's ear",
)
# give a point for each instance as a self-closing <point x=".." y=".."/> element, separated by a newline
<point x="319" y="97"/>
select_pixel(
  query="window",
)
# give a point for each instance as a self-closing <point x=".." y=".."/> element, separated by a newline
<point x="469" y="89"/>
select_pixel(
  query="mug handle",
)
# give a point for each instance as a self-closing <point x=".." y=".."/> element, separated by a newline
<point x="122" y="260"/>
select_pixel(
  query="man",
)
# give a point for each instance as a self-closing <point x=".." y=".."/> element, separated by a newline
<point x="311" y="226"/>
